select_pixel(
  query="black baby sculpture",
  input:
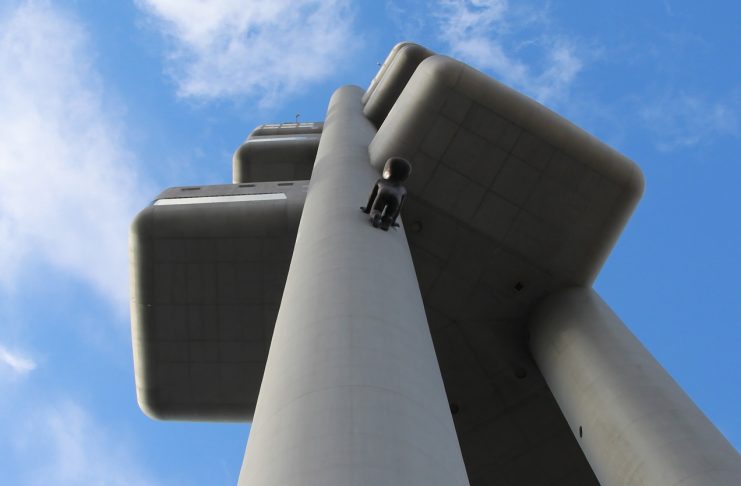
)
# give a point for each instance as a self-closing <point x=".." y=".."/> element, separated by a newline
<point x="387" y="196"/>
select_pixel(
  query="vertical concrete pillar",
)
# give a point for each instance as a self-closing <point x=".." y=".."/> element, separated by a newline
<point x="633" y="422"/>
<point x="352" y="392"/>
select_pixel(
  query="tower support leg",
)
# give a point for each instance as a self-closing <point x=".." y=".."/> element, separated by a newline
<point x="352" y="392"/>
<point x="633" y="422"/>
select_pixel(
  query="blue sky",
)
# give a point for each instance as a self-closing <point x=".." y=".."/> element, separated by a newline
<point x="103" y="104"/>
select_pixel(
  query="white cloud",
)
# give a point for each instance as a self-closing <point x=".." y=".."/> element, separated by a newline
<point x="681" y="120"/>
<point x="232" y="48"/>
<point x="62" y="444"/>
<point x="17" y="362"/>
<point x="513" y="42"/>
<point x="68" y="187"/>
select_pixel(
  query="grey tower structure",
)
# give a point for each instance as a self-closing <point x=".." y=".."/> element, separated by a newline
<point x="465" y="346"/>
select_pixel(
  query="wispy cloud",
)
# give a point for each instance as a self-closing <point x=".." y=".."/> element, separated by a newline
<point x="267" y="50"/>
<point x="515" y="42"/>
<point x="681" y="120"/>
<point x="409" y="17"/>
<point x="17" y="362"/>
<point x="63" y="444"/>
<point x="68" y="186"/>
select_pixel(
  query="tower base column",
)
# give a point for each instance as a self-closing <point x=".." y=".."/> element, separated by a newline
<point x="352" y="392"/>
<point x="633" y="422"/>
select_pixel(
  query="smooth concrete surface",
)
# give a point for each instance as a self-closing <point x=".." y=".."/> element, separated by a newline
<point x="206" y="281"/>
<point x="634" y="423"/>
<point x="352" y="393"/>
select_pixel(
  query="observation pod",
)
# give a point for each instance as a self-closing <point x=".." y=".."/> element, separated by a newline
<point x="465" y="346"/>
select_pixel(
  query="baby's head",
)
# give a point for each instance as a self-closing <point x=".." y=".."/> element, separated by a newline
<point x="397" y="169"/>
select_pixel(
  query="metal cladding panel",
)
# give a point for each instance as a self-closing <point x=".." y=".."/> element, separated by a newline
<point x="391" y="79"/>
<point x="382" y="71"/>
<point x="275" y="158"/>
<point x="510" y="170"/>
<point x="208" y="265"/>
<point x="280" y="129"/>
<point x="508" y="202"/>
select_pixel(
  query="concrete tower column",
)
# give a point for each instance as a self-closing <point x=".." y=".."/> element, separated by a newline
<point x="352" y="392"/>
<point x="633" y="422"/>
